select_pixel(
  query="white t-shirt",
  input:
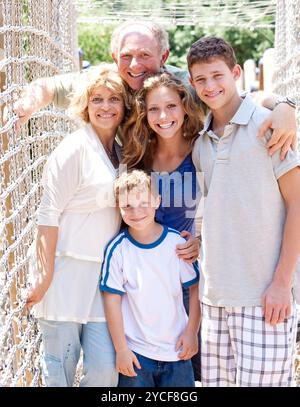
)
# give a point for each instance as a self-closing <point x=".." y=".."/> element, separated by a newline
<point x="150" y="278"/>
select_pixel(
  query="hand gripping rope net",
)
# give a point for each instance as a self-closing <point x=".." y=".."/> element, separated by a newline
<point x="37" y="39"/>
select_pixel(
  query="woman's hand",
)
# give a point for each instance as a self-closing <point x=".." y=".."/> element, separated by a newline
<point x="37" y="293"/>
<point x="188" y="251"/>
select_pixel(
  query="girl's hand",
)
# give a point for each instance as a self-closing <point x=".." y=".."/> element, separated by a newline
<point x="124" y="363"/>
<point x="188" y="342"/>
<point x="188" y="251"/>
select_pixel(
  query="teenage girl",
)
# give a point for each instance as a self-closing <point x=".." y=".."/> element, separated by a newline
<point x="159" y="138"/>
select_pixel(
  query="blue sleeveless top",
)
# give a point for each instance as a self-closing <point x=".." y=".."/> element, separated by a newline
<point x="179" y="191"/>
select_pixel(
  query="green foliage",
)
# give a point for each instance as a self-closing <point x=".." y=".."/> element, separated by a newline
<point x="181" y="38"/>
<point x="94" y="40"/>
<point x="247" y="44"/>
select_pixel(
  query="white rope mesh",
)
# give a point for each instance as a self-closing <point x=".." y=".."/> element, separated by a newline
<point x="286" y="78"/>
<point x="38" y="39"/>
<point x="287" y="51"/>
<point x="230" y="13"/>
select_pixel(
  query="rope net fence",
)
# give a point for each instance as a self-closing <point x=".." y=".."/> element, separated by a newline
<point x="287" y="70"/>
<point x="287" y="51"/>
<point x="229" y="13"/>
<point x="38" y="39"/>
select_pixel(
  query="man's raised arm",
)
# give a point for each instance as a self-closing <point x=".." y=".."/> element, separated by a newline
<point x="41" y="92"/>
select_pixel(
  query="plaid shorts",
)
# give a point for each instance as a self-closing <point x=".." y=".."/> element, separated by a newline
<point x="239" y="349"/>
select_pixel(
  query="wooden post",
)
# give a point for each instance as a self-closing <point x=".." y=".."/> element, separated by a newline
<point x="250" y="74"/>
<point x="269" y="64"/>
<point x="240" y="82"/>
<point x="80" y="57"/>
<point x="261" y="74"/>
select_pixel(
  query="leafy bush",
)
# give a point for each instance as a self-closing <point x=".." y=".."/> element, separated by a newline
<point x="94" y="40"/>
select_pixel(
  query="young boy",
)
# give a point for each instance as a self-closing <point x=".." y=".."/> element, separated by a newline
<point x="250" y="233"/>
<point x="142" y="280"/>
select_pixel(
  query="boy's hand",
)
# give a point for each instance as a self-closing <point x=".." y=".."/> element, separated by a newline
<point x="283" y="121"/>
<point x="125" y="360"/>
<point x="188" y="342"/>
<point x="276" y="303"/>
<point x="188" y="251"/>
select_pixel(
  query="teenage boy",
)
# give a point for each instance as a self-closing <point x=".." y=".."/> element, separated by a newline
<point x="142" y="280"/>
<point x="250" y="235"/>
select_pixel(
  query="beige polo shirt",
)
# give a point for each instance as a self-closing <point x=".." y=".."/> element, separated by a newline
<point x="244" y="212"/>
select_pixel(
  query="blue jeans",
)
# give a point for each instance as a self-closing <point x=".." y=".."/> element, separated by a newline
<point x="160" y="374"/>
<point x="62" y="342"/>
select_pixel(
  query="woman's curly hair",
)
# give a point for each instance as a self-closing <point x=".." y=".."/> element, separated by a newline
<point x="140" y="141"/>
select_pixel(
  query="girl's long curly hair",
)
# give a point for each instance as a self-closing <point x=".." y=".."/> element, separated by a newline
<point x="139" y="140"/>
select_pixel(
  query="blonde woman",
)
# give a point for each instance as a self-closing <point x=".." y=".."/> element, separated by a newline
<point x="76" y="220"/>
<point x="159" y="138"/>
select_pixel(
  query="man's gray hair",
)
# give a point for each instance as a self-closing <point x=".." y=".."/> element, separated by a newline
<point x="160" y="34"/>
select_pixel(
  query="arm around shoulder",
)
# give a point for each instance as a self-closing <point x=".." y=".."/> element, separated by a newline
<point x="282" y="120"/>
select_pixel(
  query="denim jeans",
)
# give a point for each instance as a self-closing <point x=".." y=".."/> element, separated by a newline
<point x="154" y="373"/>
<point x="62" y="342"/>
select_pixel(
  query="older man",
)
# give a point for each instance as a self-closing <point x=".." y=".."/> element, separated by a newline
<point x="140" y="49"/>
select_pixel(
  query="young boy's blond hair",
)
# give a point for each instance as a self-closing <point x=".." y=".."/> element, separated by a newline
<point x="136" y="179"/>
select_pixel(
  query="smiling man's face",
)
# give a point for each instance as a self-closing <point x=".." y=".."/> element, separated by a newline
<point x="138" y="56"/>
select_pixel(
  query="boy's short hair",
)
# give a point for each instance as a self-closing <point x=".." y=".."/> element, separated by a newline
<point x="134" y="179"/>
<point x="207" y="48"/>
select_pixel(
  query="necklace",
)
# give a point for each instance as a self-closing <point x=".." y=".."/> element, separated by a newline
<point x="112" y="155"/>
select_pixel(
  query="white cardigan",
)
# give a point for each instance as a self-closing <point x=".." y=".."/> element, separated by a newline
<point x="78" y="196"/>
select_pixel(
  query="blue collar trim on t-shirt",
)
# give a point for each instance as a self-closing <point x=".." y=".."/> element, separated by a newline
<point x="150" y="245"/>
